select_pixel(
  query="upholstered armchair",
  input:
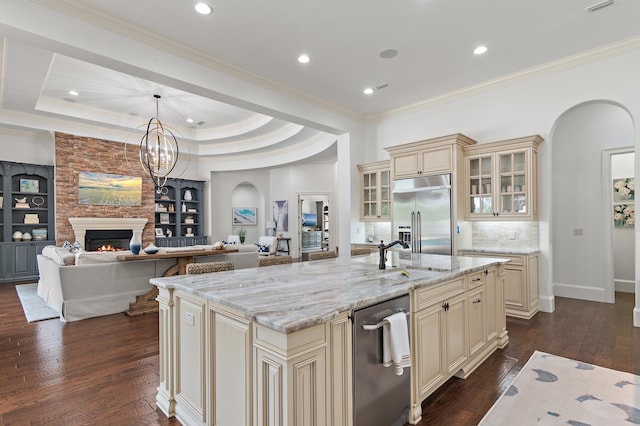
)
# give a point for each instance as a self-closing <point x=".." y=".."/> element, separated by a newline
<point x="271" y="243"/>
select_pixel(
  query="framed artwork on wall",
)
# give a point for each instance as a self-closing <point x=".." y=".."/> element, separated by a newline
<point x="623" y="190"/>
<point x="281" y="215"/>
<point x="109" y="190"/>
<point x="29" y="185"/>
<point x="244" y="215"/>
<point x="624" y="215"/>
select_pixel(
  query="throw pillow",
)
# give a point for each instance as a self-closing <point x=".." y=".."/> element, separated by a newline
<point x="262" y="248"/>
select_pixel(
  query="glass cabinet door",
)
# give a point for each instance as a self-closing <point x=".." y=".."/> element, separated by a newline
<point x="369" y="194"/>
<point x="513" y="198"/>
<point x="481" y="185"/>
<point x="385" y="193"/>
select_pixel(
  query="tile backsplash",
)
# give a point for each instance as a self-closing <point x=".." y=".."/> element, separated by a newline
<point x="504" y="234"/>
<point x="379" y="231"/>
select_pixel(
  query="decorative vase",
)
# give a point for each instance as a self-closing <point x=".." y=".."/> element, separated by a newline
<point x="187" y="195"/>
<point x="136" y="243"/>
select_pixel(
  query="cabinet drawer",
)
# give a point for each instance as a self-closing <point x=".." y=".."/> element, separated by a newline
<point x="438" y="292"/>
<point x="476" y="279"/>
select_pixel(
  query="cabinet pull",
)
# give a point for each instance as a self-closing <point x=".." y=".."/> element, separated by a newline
<point x="476" y="279"/>
<point x="477" y="301"/>
<point x="445" y="306"/>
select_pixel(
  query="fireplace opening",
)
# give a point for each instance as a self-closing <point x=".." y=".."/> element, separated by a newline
<point x="107" y="240"/>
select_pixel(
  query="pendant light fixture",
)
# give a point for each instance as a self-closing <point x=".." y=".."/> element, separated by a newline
<point x="159" y="150"/>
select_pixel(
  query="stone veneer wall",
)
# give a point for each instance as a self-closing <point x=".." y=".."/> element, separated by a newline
<point x="74" y="154"/>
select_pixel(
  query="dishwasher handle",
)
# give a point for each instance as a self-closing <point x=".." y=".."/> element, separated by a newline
<point x="370" y="327"/>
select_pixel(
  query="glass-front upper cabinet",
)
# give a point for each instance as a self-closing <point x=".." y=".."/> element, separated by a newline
<point x="513" y="186"/>
<point x="375" y="191"/>
<point x="501" y="179"/>
<point x="480" y="185"/>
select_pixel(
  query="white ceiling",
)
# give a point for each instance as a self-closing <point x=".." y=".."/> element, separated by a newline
<point x="260" y="41"/>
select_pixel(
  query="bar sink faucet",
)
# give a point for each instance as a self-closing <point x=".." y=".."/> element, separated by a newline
<point x="383" y="251"/>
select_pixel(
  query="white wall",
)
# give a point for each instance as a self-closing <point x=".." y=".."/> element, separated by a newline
<point x="222" y="189"/>
<point x="287" y="182"/>
<point x="27" y="147"/>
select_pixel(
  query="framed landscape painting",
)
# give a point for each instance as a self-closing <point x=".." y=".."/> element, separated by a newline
<point x="109" y="190"/>
<point x="244" y="215"/>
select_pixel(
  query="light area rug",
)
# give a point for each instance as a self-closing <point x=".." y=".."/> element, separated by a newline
<point x="34" y="307"/>
<point x="552" y="390"/>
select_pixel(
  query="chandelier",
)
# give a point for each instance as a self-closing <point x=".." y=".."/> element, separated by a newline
<point x="159" y="150"/>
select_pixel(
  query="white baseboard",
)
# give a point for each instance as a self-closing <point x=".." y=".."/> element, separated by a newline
<point x="625" y="286"/>
<point x="636" y="317"/>
<point x="547" y="304"/>
<point x="580" y="292"/>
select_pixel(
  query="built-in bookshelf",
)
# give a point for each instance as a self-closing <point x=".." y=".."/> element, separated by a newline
<point x="27" y="218"/>
<point x="179" y="214"/>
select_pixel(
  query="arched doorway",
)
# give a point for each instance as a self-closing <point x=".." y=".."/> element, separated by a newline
<point x="581" y="198"/>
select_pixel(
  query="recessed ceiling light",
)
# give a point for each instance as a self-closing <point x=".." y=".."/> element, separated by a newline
<point x="480" y="50"/>
<point x="368" y="91"/>
<point x="73" y="92"/>
<point x="388" y="53"/>
<point x="203" y="8"/>
<point x="304" y="59"/>
<point x="189" y="120"/>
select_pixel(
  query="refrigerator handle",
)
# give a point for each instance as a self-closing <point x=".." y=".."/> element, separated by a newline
<point x="419" y="239"/>
<point x="413" y="230"/>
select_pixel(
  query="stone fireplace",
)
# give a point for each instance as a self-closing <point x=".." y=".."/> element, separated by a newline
<point x="81" y="225"/>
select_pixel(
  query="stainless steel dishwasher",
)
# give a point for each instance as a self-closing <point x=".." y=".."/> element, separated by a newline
<point x="380" y="397"/>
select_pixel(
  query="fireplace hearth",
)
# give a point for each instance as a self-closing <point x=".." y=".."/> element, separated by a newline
<point x="107" y="240"/>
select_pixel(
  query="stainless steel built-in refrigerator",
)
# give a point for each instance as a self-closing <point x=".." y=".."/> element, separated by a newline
<point x="422" y="213"/>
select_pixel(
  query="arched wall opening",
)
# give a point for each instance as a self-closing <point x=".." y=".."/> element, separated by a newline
<point x="582" y="265"/>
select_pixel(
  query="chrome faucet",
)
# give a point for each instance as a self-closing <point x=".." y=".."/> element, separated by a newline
<point x="383" y="251"/>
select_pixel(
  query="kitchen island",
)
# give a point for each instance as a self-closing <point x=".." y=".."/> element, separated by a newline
<point x="272" y="346"/>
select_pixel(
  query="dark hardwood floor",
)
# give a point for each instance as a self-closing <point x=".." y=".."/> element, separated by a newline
<point x="104" y="371"/>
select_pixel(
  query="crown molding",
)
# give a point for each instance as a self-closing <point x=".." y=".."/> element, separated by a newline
<point x="573" y="61"/>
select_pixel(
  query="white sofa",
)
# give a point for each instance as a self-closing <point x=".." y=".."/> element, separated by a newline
<point x="91" y="284"/>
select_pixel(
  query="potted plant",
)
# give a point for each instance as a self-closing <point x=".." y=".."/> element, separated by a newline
<point x="242" y="233"/>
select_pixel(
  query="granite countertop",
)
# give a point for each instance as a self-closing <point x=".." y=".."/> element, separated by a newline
<point x="292" y="297"/>
<point x="495" y="250"/>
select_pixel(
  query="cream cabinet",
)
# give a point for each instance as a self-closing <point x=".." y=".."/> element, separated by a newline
<point x="375" y="191"/>
<point x="501" y="180"/>
<point x="455" y="327"/>
<point x="521" y="296"/>
<point x="439" y="336"/>
<point x="218" y="368"/>
<point x="429" y="157"/>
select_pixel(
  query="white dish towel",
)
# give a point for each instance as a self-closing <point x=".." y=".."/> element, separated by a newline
<point x="395" y="343"/>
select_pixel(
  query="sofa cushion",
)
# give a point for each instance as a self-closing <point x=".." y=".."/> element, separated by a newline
<point x="93" y="257"/>
<point x="60" y="255"/>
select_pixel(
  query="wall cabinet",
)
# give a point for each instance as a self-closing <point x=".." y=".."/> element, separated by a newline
<point x="501" y="180"/>
<point x="429" y="157"/>
<point x="27" y="213"/>
<point x="375" y="191"/>
<point x="521" y="296"/>
<point x="179" y="214"/>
